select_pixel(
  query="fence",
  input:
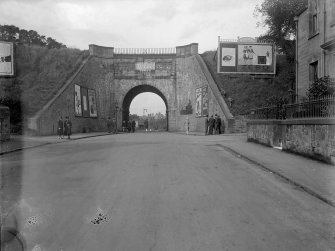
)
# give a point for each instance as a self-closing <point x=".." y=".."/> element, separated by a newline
<point x="132" y="51"/>
<point x="318" y="108"/>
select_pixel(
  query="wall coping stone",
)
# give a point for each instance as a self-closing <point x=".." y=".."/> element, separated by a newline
<point x="214" y="88"/>
<point x="302" y="121"/>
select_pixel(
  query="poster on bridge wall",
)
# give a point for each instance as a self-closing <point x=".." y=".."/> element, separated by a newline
<point x="92" y="103"/>
<point x="198" y="102"/>
<point x="6" y="59"/>
<point x="246" y="58"/>
<point x="205" y="101"/>
<point x="201" y="99"/>
<point x="84" y="102"/>
<point x="77" y="101"/>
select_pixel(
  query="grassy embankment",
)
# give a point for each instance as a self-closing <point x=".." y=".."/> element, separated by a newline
<point x="40" y="73"/>
<point x="250" y="92"/>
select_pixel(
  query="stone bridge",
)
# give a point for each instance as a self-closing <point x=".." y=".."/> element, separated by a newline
<point x="109" y="79"/>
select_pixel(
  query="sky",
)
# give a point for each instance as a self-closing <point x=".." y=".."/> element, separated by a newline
<point x="135" y="23"/>
<point x="149" y="101"/>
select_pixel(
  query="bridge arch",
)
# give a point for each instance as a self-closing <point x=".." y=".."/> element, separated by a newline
<point x="133" y="92"/>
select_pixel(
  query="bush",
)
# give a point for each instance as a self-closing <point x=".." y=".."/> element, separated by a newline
<point x="320" y="87"/>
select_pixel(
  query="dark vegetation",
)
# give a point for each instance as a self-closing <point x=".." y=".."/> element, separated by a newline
<point x="41" y="68"/>
<point x="248" y="92"/>
<point x="320" y="87"/>
<point x="14" y="34"/>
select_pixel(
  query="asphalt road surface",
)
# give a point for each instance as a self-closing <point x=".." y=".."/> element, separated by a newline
<point x="155" y="192"/>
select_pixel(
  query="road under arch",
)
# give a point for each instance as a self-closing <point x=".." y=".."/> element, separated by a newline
<point x="132" y="93"/>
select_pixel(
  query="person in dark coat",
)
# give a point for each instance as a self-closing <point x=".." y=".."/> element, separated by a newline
<point x="211" y="122"/>
<point x="133" y="125"/>
<point x="218" y="125"/>
<point x="109" y="125"/>
<point x="215" y="124"/>
<point x="60" y="127"/>
<point x="129" y="126"/>
<point x="67" y="127"/>
<point x="146" y="125"/>
<point x="206" y="125"/>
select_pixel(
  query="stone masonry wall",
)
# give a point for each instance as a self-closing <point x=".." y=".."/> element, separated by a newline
<point x="190" y="77"/>
<point x="93" y="76"/>
<point x="313" y="138"/>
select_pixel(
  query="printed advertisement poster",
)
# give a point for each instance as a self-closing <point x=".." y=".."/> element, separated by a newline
<point x="198" y="102"/>
<point x="254" y="54"/>
<point x="77" y="101"/>
<point x="6" y="59"/>
<point x="92" y="103"/>
<point x="84" y="99"/>
<point x="228" y="57"/>
<point x="205" y="101"/>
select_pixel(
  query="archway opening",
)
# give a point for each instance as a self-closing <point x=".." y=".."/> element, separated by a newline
<point x="147" y="106"/>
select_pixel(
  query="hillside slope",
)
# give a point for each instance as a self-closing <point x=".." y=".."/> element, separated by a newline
<point x="40" y="73"/>
<point x="250" y="92"/>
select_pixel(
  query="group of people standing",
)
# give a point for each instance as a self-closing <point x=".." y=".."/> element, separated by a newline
<point x="64" y="127"/>
<point x="213" y="125"/>
<point x="129" y="126"/>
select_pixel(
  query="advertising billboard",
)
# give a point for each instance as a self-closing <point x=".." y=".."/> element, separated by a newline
<point x="6" y="59"/>
<point x="246" y="57"/>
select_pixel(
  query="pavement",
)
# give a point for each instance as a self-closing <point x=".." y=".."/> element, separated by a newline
<point x="21" y="142"/>
<point x="312" y="176"/>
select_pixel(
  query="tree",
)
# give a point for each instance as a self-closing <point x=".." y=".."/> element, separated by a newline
<point x="14" y="34"/>
<point x="278" y="17"/>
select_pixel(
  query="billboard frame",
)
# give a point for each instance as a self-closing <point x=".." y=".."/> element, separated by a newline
<point x="12" y="74"/>
<point x="234" y="45"/>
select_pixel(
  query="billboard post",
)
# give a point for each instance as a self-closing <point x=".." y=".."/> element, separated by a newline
<point x="246" y="56"/>
<point x="6" y="59"/>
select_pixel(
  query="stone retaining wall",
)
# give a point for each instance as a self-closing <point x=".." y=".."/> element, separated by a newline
<point x="314" y="138"/>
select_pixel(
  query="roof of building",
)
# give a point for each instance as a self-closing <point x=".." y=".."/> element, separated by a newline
<point x="301" y="11"/>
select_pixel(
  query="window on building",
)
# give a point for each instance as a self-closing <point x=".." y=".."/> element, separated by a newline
<point x="313" y="18"/>
<point x="313" y="71"/>
<point x="261" y="59"/>
<point x="315" y="24"/>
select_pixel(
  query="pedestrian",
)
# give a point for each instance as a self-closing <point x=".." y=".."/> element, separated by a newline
<point x="60" y="128"/>
<point x="133" y="125"/>
<point x="206" y="124"/>
<point x="218" y="125"/>
<point x="187" y="125"/>
<point x="109" y="125"/>
<point x="114" y="126"/>
<point x="215" y="124"/>
<point x="146" y="125"/>
<point x="129" y="126"/>
<point x="211" y="122"/>
<point x="223" y="127"/>
<point x="123" y="126"/>
<point x="67" y="126"/>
